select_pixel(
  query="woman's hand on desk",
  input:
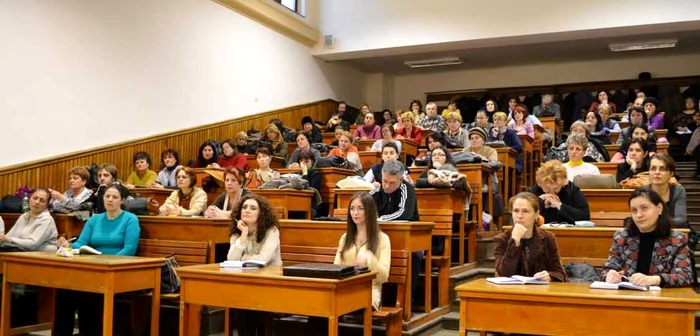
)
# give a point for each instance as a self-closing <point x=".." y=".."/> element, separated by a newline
<point x="613" y="276"/>
<point x="156" y="185"/>
<point x="3" y="237"/>
<point x="214" y="212"/>
<point x="640" y="279"/>
<point x="543" y="275"/>
<point x="62" y="242"/>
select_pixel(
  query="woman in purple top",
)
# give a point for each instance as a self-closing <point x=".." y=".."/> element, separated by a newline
<point x="368" y="131"/>
<point x="655" y="119"/>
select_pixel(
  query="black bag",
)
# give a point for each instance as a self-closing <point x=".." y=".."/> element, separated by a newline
<point x="93" y="181"/>
<point x="169" y="280"/>
<point x="12" y="203"/>
<point x="324" y="271"/>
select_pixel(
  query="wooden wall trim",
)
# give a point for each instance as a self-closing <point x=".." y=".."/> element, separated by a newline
<point x="51" y="172"/>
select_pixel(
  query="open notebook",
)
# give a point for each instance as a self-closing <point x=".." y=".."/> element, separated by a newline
<point x="621" y="285"/>
<point x="517" y="280"/>
<point x="242" y="264"/>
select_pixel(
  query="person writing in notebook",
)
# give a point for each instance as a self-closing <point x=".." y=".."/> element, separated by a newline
<point x="364" y="245"/>
<point x="255" y="235"/>
<point x="114" y="232"/>
<point x="526" y="249"/>
<point x="647" y="252"/>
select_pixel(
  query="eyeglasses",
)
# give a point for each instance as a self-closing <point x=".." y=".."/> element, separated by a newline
<point x="439" y="154"/>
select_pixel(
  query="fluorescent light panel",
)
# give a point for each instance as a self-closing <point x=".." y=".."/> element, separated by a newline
<point x="434" y="62"/>
<point x="643" y="45"/>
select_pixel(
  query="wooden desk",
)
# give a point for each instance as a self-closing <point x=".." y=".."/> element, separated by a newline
<point x="538" y="146"/>
<point x="404" y="236"/>
<point x="612" y="149"/>
<point x="603" y="200"/>
<point x="103" y="274"/>
<point x="538" y="310"/>
<point x="528" y="159"/>
<point x="506" y="156"/>
<point x="607" y="168"/>
<point x="291" y="147"/>
<point x="329" y="178"/>
<point x="211" y="230"/>
<point x="328" y="137"/>
<point x="614" y="136"/>
<point x="369" y="159"/>
<point x="291" y="200"/>
<point x="549" y="123"/>
<point x="66" y="224"/>
<point x="424" y="137"/>
<point x="275" y="162"/>
<point x="660" y="133"/>
<point x="159" y="195"/>
<point x="662" y="148"/>
<point x="266" y="289"/>
<point x="623" y="124"/>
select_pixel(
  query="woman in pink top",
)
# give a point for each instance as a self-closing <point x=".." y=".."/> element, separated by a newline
<point x="519" y="123"/>
<point x="368" y="131"/>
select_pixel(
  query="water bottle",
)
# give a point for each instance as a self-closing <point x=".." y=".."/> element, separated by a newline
<point x="25" y="204"/>
<point x="2" y="226"/>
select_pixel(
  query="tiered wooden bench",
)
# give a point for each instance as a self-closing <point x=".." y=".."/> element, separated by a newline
<point x="528" y="159"/>
<point x="329" y="178"/>
<point x="608" y="207"/>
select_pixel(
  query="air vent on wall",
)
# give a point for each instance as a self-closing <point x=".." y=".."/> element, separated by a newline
<point x="632" y="46"/>
<point x="434" y="62"/>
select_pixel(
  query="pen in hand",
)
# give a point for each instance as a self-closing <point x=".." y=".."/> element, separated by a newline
<point x="72" y="239"/>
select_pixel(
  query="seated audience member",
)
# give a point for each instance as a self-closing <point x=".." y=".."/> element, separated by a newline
<point x="432" y="120"/>
<point x="655" y="118"/>
<point x="560" y="200"/>
<point x="639" y="104"/>
<point x="170" y="160"/>
<point x="491" y="107"/>
<point x="417" y="110"/>
<point x="482" y="121"/>
<point x="288" y="134"/>
<point x="242" y="145"/>
<point x="499" y="132"/>
<point x="388" y="134"/>
<point x="576" y="146"/>
<point x="347" y="150"/>
<point x="255" y="235"/>
<point x="273" y="139"/>
<point x="337" y="133"/>
<point x="451" y="108"/>
<point x="683" y="123"/>
<point x="115" y="232"/>
<point x="519" y="123"/>
<point x="396" y="200"/>
<point x="368" y="130"/>
<point x="307" y="164"/>
<point x="231" y="157"/>
<point x="595" y="127"/>
<point x="455" y="135"/>
<point x="188" y="199"/>
<point x="233" y="184"/>
<point x="594" y="153"/>
<point x="374" y="174"/>
<point x="526" y="249"/>
<point x="339" y="118"/>
<point x="34" y="230"/>
<point x="408" y="129"/>
<point x="635" y="132"/>
<point x="602" y="98"/>
<point x="207" y="155"/>
<point x="142" y="176"/>
<point x="263" y="174"/>
<point x="548" y="108"/>
<point x="636" y="161"/>
<point x="477" y="135"/>
<point x="76" y="193"/>
<point x="312" y="132"/>
<point x="440" y="157"/>
<point x="364" y="245"/>
<point x="434" y="140"/>
<point x="647" y="250"/>
<point x="661" y="169"/>
<point x="609" y="124"/>
<point x="106" y="176"/>
<point x="512" y="101"/>
<point x="364" y="110"/>
<point x="303" y="145"/>
<point x="388" y="117"/>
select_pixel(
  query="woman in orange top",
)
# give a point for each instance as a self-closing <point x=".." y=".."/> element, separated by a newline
<point x="346" y="149"/>
<point x="408" y="129"/>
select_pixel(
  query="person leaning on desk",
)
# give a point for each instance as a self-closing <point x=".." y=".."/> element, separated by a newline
<point x="526" y="249"/>
<point x="561" y="201"/>
<point x="647" y="252"/>
<point x="114" y="232"/>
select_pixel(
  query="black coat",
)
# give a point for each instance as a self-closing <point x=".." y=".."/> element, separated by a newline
<point x="574" y="206"/>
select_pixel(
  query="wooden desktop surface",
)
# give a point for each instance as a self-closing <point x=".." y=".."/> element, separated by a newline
<point x="211" y="230"/>
<point x="266" y="289"/>
<point x="103" y="274"/>
<point x="570" y="308"/>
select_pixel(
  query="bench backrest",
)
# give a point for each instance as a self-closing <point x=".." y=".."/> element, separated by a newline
<point x="186" y="252"/>
<point x="295" y="254"/>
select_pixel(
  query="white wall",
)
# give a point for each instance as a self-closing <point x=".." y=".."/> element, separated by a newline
<point x="77" y="74"/>
<point x="369" y="24"/>
<point x="409" y="87"/>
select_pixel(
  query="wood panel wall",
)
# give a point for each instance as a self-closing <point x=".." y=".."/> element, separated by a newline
<point x="53" y="172"/>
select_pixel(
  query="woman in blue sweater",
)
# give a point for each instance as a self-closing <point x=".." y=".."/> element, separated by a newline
<point x="114" y="232"/>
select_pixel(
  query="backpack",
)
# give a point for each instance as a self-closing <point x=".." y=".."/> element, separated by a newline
<point x="12" y="203"/>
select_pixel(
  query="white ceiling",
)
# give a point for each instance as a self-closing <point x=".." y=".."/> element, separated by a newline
<point x="528" y="53"/>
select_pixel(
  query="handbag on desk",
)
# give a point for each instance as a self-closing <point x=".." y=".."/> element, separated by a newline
<point x="324" y="271"/>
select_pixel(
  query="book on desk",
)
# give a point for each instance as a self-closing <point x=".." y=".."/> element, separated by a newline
<point x="621" y="285"/>
<point x="242" y="264"/>
<point x="517" y="280"/>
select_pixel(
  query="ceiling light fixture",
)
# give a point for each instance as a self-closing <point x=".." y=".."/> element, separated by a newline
<point x="632" y="46"/>
<point x="434" y="62"/>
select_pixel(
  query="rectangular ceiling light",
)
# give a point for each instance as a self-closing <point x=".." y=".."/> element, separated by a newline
<point x="434" y="62"/>
<point x="643" y="45"/>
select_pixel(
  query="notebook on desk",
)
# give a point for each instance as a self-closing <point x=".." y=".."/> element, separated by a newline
<point x="621" y="285"/>
<point x="517" y="280"/>
<point x="242" y="264"/>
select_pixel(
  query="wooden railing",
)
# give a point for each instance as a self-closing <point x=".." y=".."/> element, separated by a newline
<point x="52" y="172"/>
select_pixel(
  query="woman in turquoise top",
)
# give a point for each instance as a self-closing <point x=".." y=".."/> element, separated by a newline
<point x="113" y="232"/>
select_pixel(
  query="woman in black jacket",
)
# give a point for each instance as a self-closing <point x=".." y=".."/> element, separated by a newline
<point x="560" y="200"/>
<point x="312" y="132"/>
<point x="307" y="162"/>
<point x="636" y="161"/>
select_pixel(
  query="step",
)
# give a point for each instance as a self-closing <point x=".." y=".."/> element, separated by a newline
<point x="450" y="321"/>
